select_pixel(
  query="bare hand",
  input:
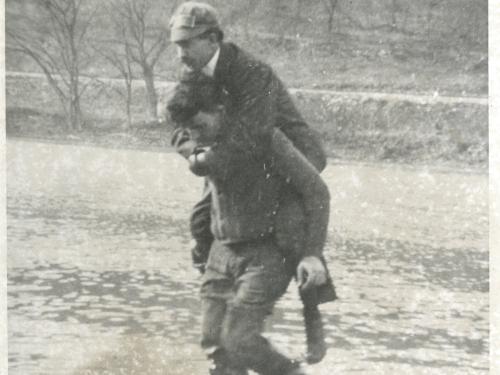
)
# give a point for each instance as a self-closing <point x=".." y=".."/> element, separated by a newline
<point x="198" y="163"/>
<point x="310" y="272"/>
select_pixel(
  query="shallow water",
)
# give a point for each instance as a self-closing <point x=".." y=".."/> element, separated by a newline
<point x="99" y="276"/>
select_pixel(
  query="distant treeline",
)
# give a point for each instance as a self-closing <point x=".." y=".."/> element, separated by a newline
<point x="453" y="21"/>
<point x="129" y="39"/>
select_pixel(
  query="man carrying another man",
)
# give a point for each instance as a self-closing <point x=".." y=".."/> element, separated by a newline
<point x="246" y="272"/>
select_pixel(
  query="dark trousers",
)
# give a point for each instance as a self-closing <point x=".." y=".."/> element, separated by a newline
<point x="240" y="288"/>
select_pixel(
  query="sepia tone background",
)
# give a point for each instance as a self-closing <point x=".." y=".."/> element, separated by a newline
<point x="99" y="277"/>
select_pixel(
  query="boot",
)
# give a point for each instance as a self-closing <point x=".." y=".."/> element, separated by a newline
<point x="315" y="336"/>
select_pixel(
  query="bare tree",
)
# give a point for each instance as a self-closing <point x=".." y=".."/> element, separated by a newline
<point x="119" y="56"/>
<point x="56" y="40"/>
<point x="117" y="51"/>
<point x="145" y="42"/>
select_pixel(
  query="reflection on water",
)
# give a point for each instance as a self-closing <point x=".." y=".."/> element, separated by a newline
<point x="98" y="260"/>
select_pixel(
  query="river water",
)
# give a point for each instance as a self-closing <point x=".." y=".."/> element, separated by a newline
<point x="100" y="282"/>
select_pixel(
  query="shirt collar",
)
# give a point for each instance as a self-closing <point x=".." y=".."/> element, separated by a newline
<point x="209" y="69"/>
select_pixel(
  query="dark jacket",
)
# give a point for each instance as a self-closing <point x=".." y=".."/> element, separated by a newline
<point x="283" y="195"/>
<point x="298" y="217"/>
<point x="257" y="101"/>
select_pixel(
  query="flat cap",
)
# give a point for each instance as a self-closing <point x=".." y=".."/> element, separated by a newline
<point x="192" y="19"/>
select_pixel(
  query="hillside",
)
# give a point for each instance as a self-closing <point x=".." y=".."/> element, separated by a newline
<point x="385" y="45"/>
<point x="349" y="53"/>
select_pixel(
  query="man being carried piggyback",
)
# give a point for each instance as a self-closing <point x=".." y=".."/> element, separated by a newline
<point x="265" y="204"/>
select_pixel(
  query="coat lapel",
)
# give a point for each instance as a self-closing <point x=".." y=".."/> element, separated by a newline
<point x="223" y="71"/>
<point x="223" y="68"/>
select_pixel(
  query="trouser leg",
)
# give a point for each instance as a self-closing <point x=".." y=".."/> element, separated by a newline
<point x="248" y="278"/>
<point x="217" y="288"/>
<point x="261" y="279"/>
<point x="213" y="315"/>
<point x="213" y="311"/>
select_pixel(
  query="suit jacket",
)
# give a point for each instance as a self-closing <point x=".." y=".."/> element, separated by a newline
<point x="257" y="101"/>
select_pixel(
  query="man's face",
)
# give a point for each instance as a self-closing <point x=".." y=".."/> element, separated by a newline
<point x="204" y="127"/>
<point x="197" y="52"/>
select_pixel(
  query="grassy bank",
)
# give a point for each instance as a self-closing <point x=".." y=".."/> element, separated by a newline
<point x="396" y="129"/>
<point x="353" y="127"/>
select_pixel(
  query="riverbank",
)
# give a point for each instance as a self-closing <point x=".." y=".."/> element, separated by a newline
<point x="355" y="126"/>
